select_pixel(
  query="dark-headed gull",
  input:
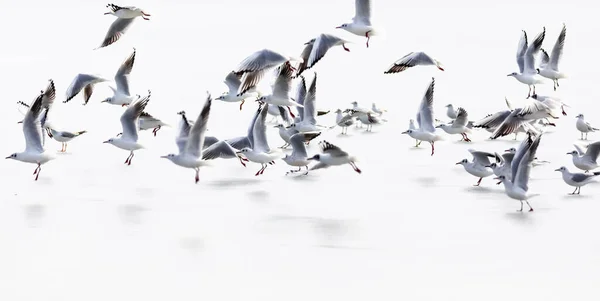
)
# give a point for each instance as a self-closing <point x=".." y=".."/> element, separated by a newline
<point x="223" y="150"/>
<point x="148" y="121"/>
<point x="83" y="82"/>
<point x="577" y="179"/>
<point x="125" y="16"/>
<point x="553" y="102"/>
<point x="190" y="153"/>
<point x="33" y="130"/>
<point x="426" y="130"/>
<point x="299" y="156"/>
<point x="361" y="22"/>
<point x="321" y="45"/>
<point x="502" y="165"/>
<point x="280" y="96"/>
<point x="62" y="136"/>
<point x="549" y="64"/>
<point x="233" y="81"/>
<point x="586" y="160"/>
<point x="130" y="123"/>
<point x="526" y="61"/>
<point x="332" y="155"/>
<point x="458" y="125"/>
<point x="479" y="167"/>
<point x="121" y="95"/>
<point x="584" y="127"/>
<point x="413" y="59"/>
<point x="343" y="121"/>
<point x="518" y="187"/>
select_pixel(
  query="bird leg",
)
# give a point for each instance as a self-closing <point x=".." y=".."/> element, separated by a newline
<point x="128" y="161"/>
<point x="37" y="171"/>
<point x="579" y="190"/>
<point x="306" y="173"/>
<point x="242" y="161"/>
<point x="293" y="171"/>
<point x="521" y="210"/>
<point x="345" y="48"/>
<point x="530" y="208"/>
<point x="291" y="114"/>
<point x="432" y="148"/>
<point x="368" y="37"/>
<point x="197" y="179"/>
<point x="478" y="182"/>
<point x="261" y="170"/>
<point x="574" y="191"/>
<point x="354" y="167"/>
<point x="155" y="130"/>
<point x="285" y="145"/>
<point x="562" y="107"/>
<point x="529" y="94"/>
<point x="65" y="147"/>
<point x="550" y="123"/>
<point x="242" y="103"/>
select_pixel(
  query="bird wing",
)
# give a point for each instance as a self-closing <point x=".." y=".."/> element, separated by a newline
<point x="305" y="55"/>
<point x="482" y="158"/>
<point x="532" y="50"/>
<point x="425" y="114"/>
<point x="521" y="49"/>
<point x="519" y="154"/>
<point x="183" y="133"/>
<point x="285" y="115"/>
<point x="220" y="149"/>
<point x="116" y="30"/>
<point x="301" y="95"/>
<point x="261" y="60"/>
<point x="492" y="121"/>
<point x="579" y="150"/>
<point x="250" y="80"/>
<point x="332" y="150"/>
<point x="558" y="49"/>
<point x="521" y="177"/>
<point x="410" y="60"/>
<point x="462" y="118"/>
<point x="362" y="12"/>
<point x="196" y="136"/>
<point x="310" y="111"/>
<point x="122" y="75"/>
<point x="283" y="83"/>
<point x="233" y="81"/>
<point x="322" y="44"/>
<point x="260" y="143"/>
<point x="593" y="150"/>
<point x="32" y="127"/>
<point x="581" y="177"/>
<point x="532" y="107"/>
<point x="509" y="125"/>
<point x="82" y="81"/>
<point x="508" y="158"/>
<point x="131" y="116"/>
<point x="544" y="59"/>
<point x="298" y="146"/>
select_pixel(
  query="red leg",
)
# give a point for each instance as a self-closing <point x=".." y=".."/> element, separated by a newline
<point x="197" y="179"/>
<point x="563" y="110"/>
<point x="291" y="114"/>
<point x="242" y="161"/>
<point x="432" y="149"/>
<point x="479" y="182"/>
<point x="368" y="38"/>
<point x="241" y="104"/>
<point x="345" y="48"/>
<point x="259" y="171"/>
<point x="38" y="171"/>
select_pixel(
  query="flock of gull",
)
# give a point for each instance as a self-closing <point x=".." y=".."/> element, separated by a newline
<point x="299" y="112"/>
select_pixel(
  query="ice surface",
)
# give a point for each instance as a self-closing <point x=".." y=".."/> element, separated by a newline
<point x="410" y="227"/>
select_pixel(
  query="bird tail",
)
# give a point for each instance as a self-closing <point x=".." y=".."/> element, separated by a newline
<point x="81" y="132"/>
<point x="597" y="173"/>
<point x="531" y="196"/>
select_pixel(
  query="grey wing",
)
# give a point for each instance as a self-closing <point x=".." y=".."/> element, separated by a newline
<point x="32" y="128"/>
<point x="593" y="150"/>
<point x="130" y="118"/>
<point x="580" y="150"/>
<point x="362" y="11"/>
<point x="310" y="114"/>
<point x="520" y="154"/>
<point x="521" y="49"/>
<point x="425" y="115"/>
<point x="260" y="143"/>
<point x="319" y="165"/>
<point x="298" y="146"/>
<point x="196" y="137"/>
<point x="80" y="82"/>
<point x="209" y="141"/>
<point x="122" y="76"/>
<point x="410" y="60"/>
<point x="239" y="142"/>
<point x="499" y="158"/>
<point x="283" y="83"/>
<point x="220" y="149"/>
<point x="532" y="50"/>
<point x="250" y="133"/>
<point x="323" y="43"/>
<point x="508" y="157"/>
<point x="284" y="114"/>
<point x="260" y="60"/>
<point x="581" y="177"/>
<point x="116" y="30"/>
<point x="524" y="168"/>
<point x="67" y="134"/>
<point x="49" y="95"/>
<point x="331" y="149"/>
<point x="492" y="121"/>
<point x="183" y="133"/>
<point x="305" y="55"/>
<point x="482" y="158"/>
<point x="558" y="48"/>
<point x="300" y="96"/>
<point x="233" y="81"/>
<point x="544" y="59"/>
<point x="462" y="118"/>
<point x="508" y="126"/>
<point x="250" y="80"/>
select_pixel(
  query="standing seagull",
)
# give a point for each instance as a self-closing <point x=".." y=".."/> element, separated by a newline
<point x="480" y="165"/>
<point x="83" y="82"/>
<point x="584" y="127"/>
<point x="426" y="130"/>
<point x="33" y="125"/>
<point x="125" y="16"/>
<point x="321" y="45"/>
<point x="233" y="81"/>
<point x="518" y="187"/>
<point x="280" y="96"/>
<point x="121" y="95"/>
<point x="62" y="136"/>
<point x="299" y="156"/>
<point x="458" y="126"/>
<point x="130" y="123"/>
<point x="343" y="121"/>
<point x="413" y="59"/>
<point x="190" y="154"/>
<point x="526" y="61"/>
<point x="576" y="179"/>
<point x="361" y="22"/>
<point x="549" y="65"/>
<point x="333" y="156"/>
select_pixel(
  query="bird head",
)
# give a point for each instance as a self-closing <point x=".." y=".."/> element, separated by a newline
<point x="500" y="179"/>
<point x="108" y="100"/>
<point x="13" y="156"/>
<point x="512" y="74"/>
<point x="580" y="116"/>
<point x="169" y="156"/>
<point x="462" y="162"/>
<point x="407" y="132"/>
<point x="345" y="25"/>
<point x="111" y="141"/>
<point x="561" y="169"/>
<point x="316" y="157"/>
<point x="574" y="153"/>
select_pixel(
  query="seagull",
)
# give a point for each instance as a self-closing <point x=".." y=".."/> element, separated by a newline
<point x="361" y="23"/>
<point x="368" y="119"/>
<point x="332" y="155"/>
<point x="522" y="117"/>
<point x="299" y="156"/>
<point x="62" y="136"/>
<point x="285" y="134"/>
<point x="185" y="125"/>
<point x="451" y="112"/>
<point x="549" y="65"/>
<point x="587" y="160"/>
<point x="33" y="125"/>
<point x="47" y="98"/>
<point x="526" y="61"/>
<point x="518" y="187"/>
<point x="377" y="110"/>
<point x="233" y="81"/>
<point x="83" y="82"/>
<point x="148" y="121"/>
<point x="426" y="130"/>
<point x="458" y="126"/>
<point x="411" y="60"/>
<point x="552" y="102"/>
<point x="125" y="16"/>
<point x="281" y="90"/>
<point x="322" y="44"/>
<point x="130" y="123"/>
<point x="503" y="163"/>
<point x="260" y="152"/>
<point x="584" y="127"/>
<point x="309" y="119"/>
<point x="254" y="67"/>
<point x="190" y="152"/>
<point x="343" y="121"/>
<point x="121" y="95"/>
<point x="223" y="150"/>
<point x="577" y="179"/>
<point x="480" y="165"/>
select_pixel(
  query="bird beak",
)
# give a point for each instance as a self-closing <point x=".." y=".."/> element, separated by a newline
<point x="104" y="101"/>
<point x="510" y="74"/>
<point x="105" y="141"/>
<point x="438" y="126"/>
<point x="107" y="13"/>
<point x="405" y="132"/>
<point x="568" y="153"/>
<point x="338" y="27"/>
<point x="7" y="157"/>
<point x="557" y="169"/>
<point x="20" y="122"/>
<point x="488" y="166"/>
<point x="457" y="163"/>
<point x="507" y="150"/>
<point x="164" y="157"/>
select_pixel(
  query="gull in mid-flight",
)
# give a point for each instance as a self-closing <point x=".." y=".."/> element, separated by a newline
<point x="577" y="179"/>
<point x="502" y="165"/>
<point x="280" y="95"/>
<point x="299" y="156"/>
<point x="413" y="59"/>
<point x="148" y="121"/>
<point x="458" y="126"/>
<point x="125" y="16"/>
<point x="320" y="45"/>
<point x="518" y="187"/>
<point x="584" y="127"/>
<point x="83" y="82"/>
<point x="233" y="81"/>
<point x="549" y="64"/>
<point x="361" y="23"/>
<point x="33" y="125"/>
<point x="426" y="130"/>
<point x="48" y="96"/>
<point x="526" y="61"/>
<point x="121" y="95"/>
<point x="190" y="148"/>
<point x="480" y="165"/>
<point x="332" y="155"/>
<point x="130" y="123"/>
<point x="586" y="160"/>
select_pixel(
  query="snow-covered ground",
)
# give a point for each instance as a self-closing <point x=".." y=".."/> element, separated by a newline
<point x="410" y="227"/>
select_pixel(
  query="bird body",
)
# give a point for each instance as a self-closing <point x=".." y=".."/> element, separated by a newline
<point x="577" y="180"/>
